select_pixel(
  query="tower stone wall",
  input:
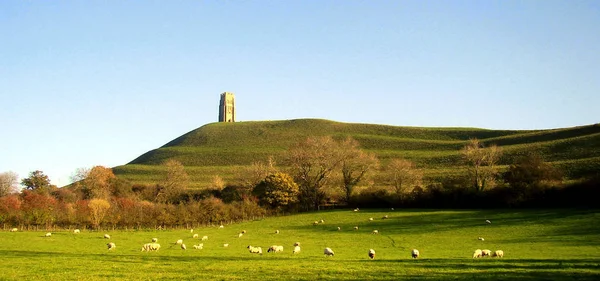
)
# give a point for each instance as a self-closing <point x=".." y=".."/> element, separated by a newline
<point x="227" y="107"/>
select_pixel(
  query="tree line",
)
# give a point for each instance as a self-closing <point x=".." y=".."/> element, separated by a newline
<point x="316" y="172"/>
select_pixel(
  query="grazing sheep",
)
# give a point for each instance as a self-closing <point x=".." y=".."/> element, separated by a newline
<point x="321" y="221"/>
<point x="414" y="253"/>
<point x="191" y="230"/>
<point x="328" y="252"/>
<point x="277" y="231"/>
<point x="296" y="250"/>
<point x="385" y="217"/>
<point x="199" y="246"/>
<point x="372" y="254"/>
<point x="477" y="253"/>
<point x="339" y="228"/>
<point x="297" y="244"/>
<point x="498" y="254"/>
<point x="254" y="250"/>
<point x="111" y="246"/>
<point x="375" y="231"/>
<point x="488" y="221"/>
<point x="179" y="242"/>
<point x="356" y="210"/>
<point x="356" y="228"/>
<point x="392" y="209"/>
<point x="76" y="231"/>
<point x="370" y="219"/>
<point x="150" y="247"/>
<point x="244" y="231"/>
<point x="154" y="240"/>
<point x="315" y="222"/>
<point x="240" y="234"/>
<point x="275" y="249"/>
<point x="106" y="236"/>
<point x="204" y="238"/>
<point x="486" y="253"/>
<point x="195" y="235"/>
<point x="14" y="229"/>
<point x="225" y="245"/>
<point x="480" y="238"/>
<point x="48" y="234"/>
<point x="221" y="226"/>
<point x="183" y="247"/>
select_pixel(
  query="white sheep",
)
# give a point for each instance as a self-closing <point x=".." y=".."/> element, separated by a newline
<point x="477" y="253"/>
<point x="480" y="238"/>
<point x="488" y="221"/>
<point x="195" y="235"/>
<point x="277" y="231"/>
<point x="315" y="222"/>
<point x="414" y="253"/>
<point x="370" y="219"/>
<point x="48" y="234"/>
<point x="486" y="253"/>
<point x="375" y="231"/>
<point x="356" y="228"/>
<point x="221" y="226"/>
<point x="225" y="245"/>
<point x="179" y="242"/>
<point x="76" y="231"/>
<point x="328" y="252"/>
<point x="204" y="238"/>
<point x="106" y="236"/>
<point x="339" y="228"/>
<point x="275" y="249"/>
<point x="356" y="210"/>
<point x="150" y="247"/>
<point x="385" y="217"/>
<point x="321" y="221"/>
<point x="14" y="229"/>
<point x="296" y="249"/>
<point x="199" y="246"/>
<point x="154" y="240"/>
<point x="244" y="231"/>
<point x="372" y="254"/>
<point x="296" y="244"/>
<point x="254" y="250"/>
<point x="191" y="230"/>
<point x="240" y="235"/>
<point x="392" y="209"/>
<point x="183" y="247"/>
<point x="498" y="254"/>
<point x="111" y="246"/>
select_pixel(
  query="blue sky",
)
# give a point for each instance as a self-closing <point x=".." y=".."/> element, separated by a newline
<point x="85" y="83"/>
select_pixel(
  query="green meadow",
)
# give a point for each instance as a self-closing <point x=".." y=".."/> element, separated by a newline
<point x="220" y="149"/>
<point x="557" y="244"/>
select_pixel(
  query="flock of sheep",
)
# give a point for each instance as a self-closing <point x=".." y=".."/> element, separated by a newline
<point x="155" y="246"/>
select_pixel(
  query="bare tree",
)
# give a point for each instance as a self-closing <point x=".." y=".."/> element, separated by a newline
<point x="482" y="163"/>
<point x="355" y="165"/>
<point x="402" y="176"/>
<point x="175" y="182"/>
<point x="8" y="183"/>
<point x="252" y="175"/>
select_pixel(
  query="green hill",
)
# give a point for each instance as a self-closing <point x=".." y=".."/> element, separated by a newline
<point x="222" y="148"/>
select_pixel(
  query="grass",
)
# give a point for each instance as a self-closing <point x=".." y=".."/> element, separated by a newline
<point x="538" y="245"/>
<point x="215" y="148"/>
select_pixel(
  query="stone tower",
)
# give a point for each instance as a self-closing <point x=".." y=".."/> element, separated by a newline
<point x="227" y="107"/>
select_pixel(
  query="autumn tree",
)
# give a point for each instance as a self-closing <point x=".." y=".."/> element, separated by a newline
<point x="402" y="176"/>
<point x="277" y="190"/>
<point x="175" y="182"/>
<point x="8" y="183"/>
<point x="98" y="209"/>
<point x="481" y="163"/>
<point x="355" y="164"/>
<point x="98" y="182"/>
<point x="312" y="162"/>
<point x="38" y="181"/>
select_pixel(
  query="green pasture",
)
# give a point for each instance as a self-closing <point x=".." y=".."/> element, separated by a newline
<point x="538" y="245"/>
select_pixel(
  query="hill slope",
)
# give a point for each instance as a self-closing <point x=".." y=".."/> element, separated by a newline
<point x="221" y="148"/>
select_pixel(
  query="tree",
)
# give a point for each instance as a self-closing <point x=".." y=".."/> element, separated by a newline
<point x="98" y="209"/>
<point x="402" y="176"/>
<point x="175" y="182"/>
<point x="98" y="183"/>
<point x="531" y="171"/>
<point x="8" y="183"/>
<point x="38" y="182"/>
<point x="481" y="163"/>
<point x="277" y="190"/>
<point x="312" y="162"/>
<point x="252" y="175"/>
<point x="355" y="164"/>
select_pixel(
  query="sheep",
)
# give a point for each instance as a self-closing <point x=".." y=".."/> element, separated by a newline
<point x="76" y="231"/>
<point x="414" y="253"/>
<point x="275" y="249"/>
<point x="150" y="247"/>
<point x="277" y="231"/>
<point x="111" y="246"/>
<point x="179" y="242"/>
<point x="106" y="236"/>
<point x="480" y="238"/>
<point x="370" y="219"/>
<point x="356" y="210"/>
<point x="375" y="231"/>
<point x="498" y="254"/>
<point x="225" y="245"/>
<point x="254" y="250"/>
<point x="183" y="247"/>
<point x="486" y="253"/>
<point x="315" y="222"/>
<point x="328" y="252"/>
<point x="356" y="228"/>
<point x="392" y="209"/>
<point x="240" y="235"/>
<point x="14" y="229"/>
<point x="321" y="221"/>
<point x="221" y="226"/>
<point x="204" y="238"/>
<point x="372" y="254"/>
<point x="195" y="235"/>
<point x="488" y="221"/>
<point x="385" y="217"/>
<point x="192" y="230"/>
<point x="48" y="234"/>
<point x="199" y="246"/>
<point x="296" y="249"/>
<point x="154" y="240"/>
<point x="477" y="253"/>
<point x="339" y="228"/>
<point x="296" y="244"/>
<point x="244" y="231"/>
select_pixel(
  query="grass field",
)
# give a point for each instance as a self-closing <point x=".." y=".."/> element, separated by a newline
<point x="219" y="149"/>
<point x="538" y="245"/>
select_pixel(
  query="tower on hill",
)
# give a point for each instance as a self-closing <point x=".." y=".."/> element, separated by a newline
<point x="227" y="107"/>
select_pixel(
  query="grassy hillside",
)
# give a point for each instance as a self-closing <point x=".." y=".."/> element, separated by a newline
<point x="221" y="148"/>
<point x="537" y="244"/>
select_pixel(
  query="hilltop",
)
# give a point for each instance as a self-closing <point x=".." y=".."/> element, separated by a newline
<point x="221" y="148"/>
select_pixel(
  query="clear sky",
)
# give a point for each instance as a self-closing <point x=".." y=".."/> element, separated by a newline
<point x="85" y="83"/>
